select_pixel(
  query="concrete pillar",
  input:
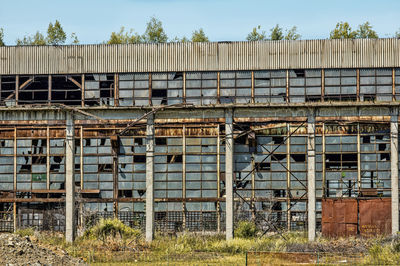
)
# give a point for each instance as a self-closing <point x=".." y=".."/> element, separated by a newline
<point x="394" y="166"/>
<point x="69" y="179"/>
<point x="229" y="172"/>
<point x="150" y="178"/>
<point x="311" y="178"/>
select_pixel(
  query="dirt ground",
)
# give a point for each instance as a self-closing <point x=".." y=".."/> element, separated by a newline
<point x="16" y="250"/>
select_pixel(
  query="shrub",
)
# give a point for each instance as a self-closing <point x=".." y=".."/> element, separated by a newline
<point x="25" y="232"/>
<point x="111" y="228"/>
<point x="246" y="229"/>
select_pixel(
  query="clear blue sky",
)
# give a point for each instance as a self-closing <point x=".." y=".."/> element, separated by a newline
<point x="230" y="20"/>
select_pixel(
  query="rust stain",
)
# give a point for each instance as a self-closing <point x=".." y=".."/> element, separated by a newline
<point x="348" y="217"/>
<point x="375" y="217"/>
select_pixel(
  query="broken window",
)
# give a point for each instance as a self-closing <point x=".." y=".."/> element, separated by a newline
<point x="201" y="88"/>
<point x="270" y="86"/>
<point x="340" y="85"/>
<point x="167" y="88"/>
<point x="33" y="89"/>
<point x="66" y="89"/>
<point x="7" y="90"/>
<point x="235" y="87"/>
<point x="99" y="89"/>
<point x="376" y="84"/>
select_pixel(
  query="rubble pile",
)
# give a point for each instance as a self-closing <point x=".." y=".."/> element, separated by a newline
<point x="16" y="250"/>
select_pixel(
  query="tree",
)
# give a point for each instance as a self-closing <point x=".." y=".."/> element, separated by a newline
<point x="256" y="35"/>
<point x="177" y="39"/>
<point x="343" y="31"/>
<point x="123" y="37"/>
<point x="1" y="37"/>
<point x="292" y="34"/>
<point x="55" y="34"/>
<point x="365" y="31"/>
<point x="154" y="32"/>
<point x="36" y="39"/>
<point x="74" y="38"/>
<point x="397" y="34"/>
<point x="199" y="36"/>
<point x="276" y="33"/>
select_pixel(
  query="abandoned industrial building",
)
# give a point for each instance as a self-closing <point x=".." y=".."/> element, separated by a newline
<point x="293" y="135"/>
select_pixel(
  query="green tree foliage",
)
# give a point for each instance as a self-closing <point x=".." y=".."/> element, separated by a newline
<point x="154" y="32"/>
<point x="257" y="34"/>
<point x="276" y="33"/>
<point x="123" y="37"/>
<point x="199" y="36"/>
<point x="55" y="34"/>
<point x="177" y="39"/>
<point x="342" y="31"/>
<point x="397" y="34"/>
<point x="36" y="39"/>
<point x="74" y="38"/>
<point x="1" y="37"/>
<point x="292" y="34"/>
<point x="365" y="31"/>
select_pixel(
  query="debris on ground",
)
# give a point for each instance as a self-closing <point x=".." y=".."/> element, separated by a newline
<point x="16" y="250"/>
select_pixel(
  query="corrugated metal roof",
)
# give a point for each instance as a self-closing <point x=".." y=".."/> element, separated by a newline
<point x="359" y="53"/>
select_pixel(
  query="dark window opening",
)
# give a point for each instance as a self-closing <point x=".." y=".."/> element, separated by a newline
<point x="56" y="167"/>
<point x="139" y="158"/>
<point x="178" y="75"/>
<point x="382" y="147"/>
<point x="138" y="141"/>
<point x="25" y="168"/>
<point x="125" y="193"/>
<point x="159" y="93"/>
<point x="298" y="157"/>
<point x="264" y="166"/>
<point x="385" y="156"/>
<point x="300" y="73"/>
<point x="241" y="140"/>
<point x="366" y="139"/>
<point x="278" y="157"/>
<point x="341" y="161"/>
<point x="65" y="91"/>
<point x="161" y="141"/>
<point x="174" y="158"/>
<point x="277" y="140"/>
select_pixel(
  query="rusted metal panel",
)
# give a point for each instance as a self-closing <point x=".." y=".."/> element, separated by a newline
<point x="346" y="217"/>
<point x="375" y="217"/>
<point x="339" y="217"/>
<point x="309" y="54"/>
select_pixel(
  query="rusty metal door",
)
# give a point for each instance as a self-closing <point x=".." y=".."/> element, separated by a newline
<point x="375" y="217"/>
<point x="339" y="217"/>
<point x="350" y="216"/>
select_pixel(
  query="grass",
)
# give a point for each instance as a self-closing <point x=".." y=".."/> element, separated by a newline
<point x="110" y="242"/>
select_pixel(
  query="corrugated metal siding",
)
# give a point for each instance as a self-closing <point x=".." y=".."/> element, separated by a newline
<point x="200" y="56"/>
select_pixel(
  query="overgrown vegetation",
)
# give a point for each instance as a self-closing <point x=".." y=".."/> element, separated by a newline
<point x="111" y="241"/>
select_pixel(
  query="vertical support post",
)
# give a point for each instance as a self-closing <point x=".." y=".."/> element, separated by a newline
<point x="69" y="178"/>
<point x="83" y="90"/>
<point x="218" y="180"/>
<point x="150" y="89"/>
<point x="288" y="176"/>
<point x="323" y="163"/>
<point x="358" y="159"/>
<point x="184" y="175"/>
<point x="358" y="84"/>
<point x="229" y="172"/>
<point x="150" y="178"/>
<point x="394" y="163"/>
<point x="218" y="88"/>
<point x="16" y="89"/>
<point x="50" y="85"/>
<point x="116" y="89"/>
<point x="184" y="87"/>
<point x="311" y="177"/>
<point x="252" y="87"/>
<point x="322" y="85"/>
<point x="287" y="86"/>
<point x="15" y="224"/>
<point x="48" y="159"/>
